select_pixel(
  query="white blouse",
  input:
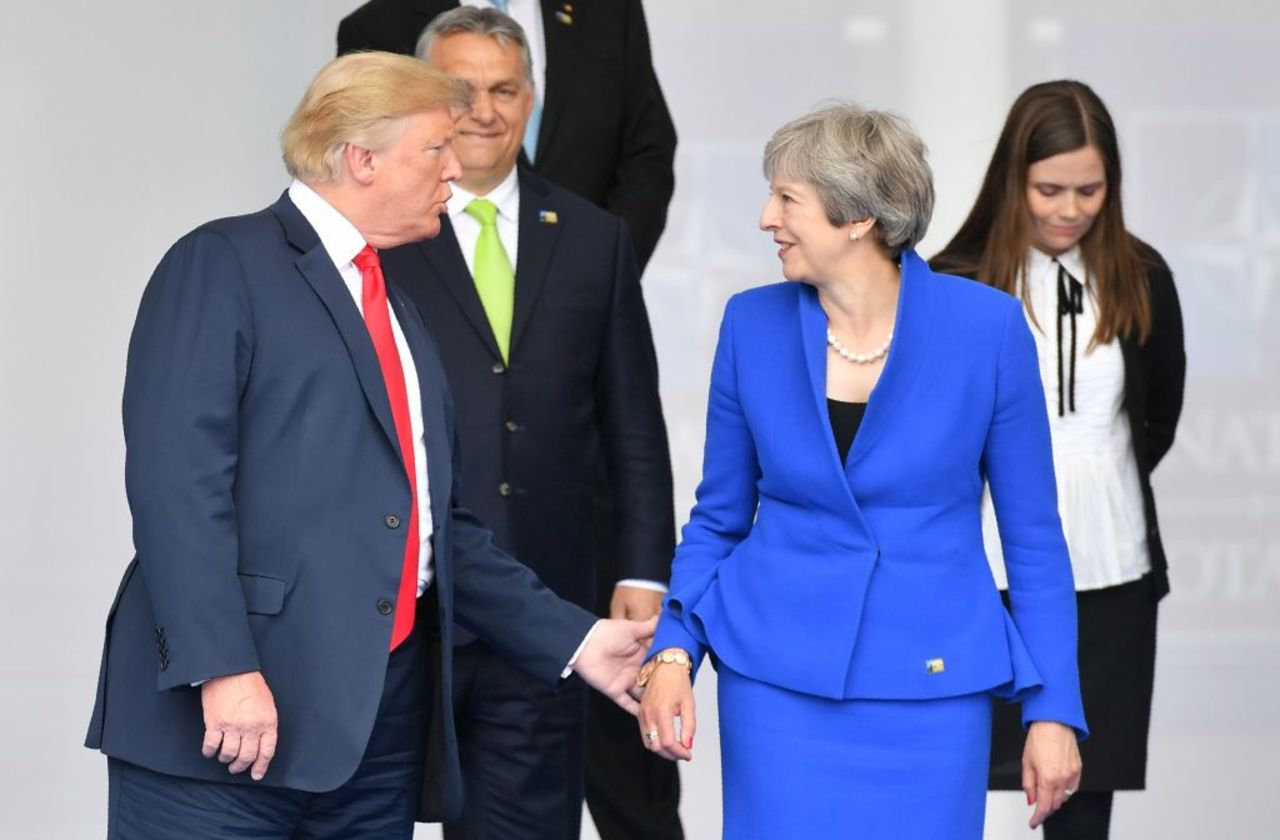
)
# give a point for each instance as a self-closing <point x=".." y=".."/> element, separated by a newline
<point x="1099" y="493"/>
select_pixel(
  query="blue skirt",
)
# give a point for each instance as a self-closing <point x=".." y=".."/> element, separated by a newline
<point x="799" y="766"/>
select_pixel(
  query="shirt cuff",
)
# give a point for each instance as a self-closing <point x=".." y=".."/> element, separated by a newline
<point x="568" y="669"/>
<point x="651" y="585"/>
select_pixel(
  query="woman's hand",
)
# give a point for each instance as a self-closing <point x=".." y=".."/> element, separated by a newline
<point x="669" y="695"/>
<point x="1050" y="767"/>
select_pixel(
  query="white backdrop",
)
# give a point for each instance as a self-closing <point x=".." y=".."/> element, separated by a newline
<point x="127" y="123"/>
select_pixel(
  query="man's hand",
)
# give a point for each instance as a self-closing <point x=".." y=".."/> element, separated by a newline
<point x="239" y="722"/>
<point x="635" y="603"/>
<point x="613" y="656"/>
<point x="1050" y="767"/>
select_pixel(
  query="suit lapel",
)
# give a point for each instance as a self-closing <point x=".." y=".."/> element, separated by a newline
<point x="444" y="257"/>
<point x="318" y="270"/>
<point x="537" y="242"/>
<point x="813" y="337"/>
<point x="562" y="63"/>
<point x="912" y="328"/>
<point x="431" y="387"/>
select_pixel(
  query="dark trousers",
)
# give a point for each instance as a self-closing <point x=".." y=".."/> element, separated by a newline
<point x="1085" y="816"/>
<point x="521" y="746"/>
<point x="632" y="793"/>
<point x="378" y="801"/>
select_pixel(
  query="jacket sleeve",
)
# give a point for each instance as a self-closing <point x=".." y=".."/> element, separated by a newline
<point x="1167" y="368"/>
<point x="725" y="508"/>
<point x="501" y="600"/>
<point x="632" y="429"/>
<point x="645" y="177"/>
<point x="188" y="364"/>
<point x="1018" y="463"/>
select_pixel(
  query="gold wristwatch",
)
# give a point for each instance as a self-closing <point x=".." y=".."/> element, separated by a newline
<point x="670" y="656"/>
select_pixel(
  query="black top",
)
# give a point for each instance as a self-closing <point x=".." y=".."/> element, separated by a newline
<point x="846" y="417"/>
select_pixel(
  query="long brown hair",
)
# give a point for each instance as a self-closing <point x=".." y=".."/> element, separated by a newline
<point x="1049" y="119"/>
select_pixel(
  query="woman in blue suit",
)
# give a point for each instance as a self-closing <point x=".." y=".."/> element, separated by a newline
<point x="833" y="565"/>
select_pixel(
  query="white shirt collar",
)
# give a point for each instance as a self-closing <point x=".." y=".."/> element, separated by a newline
<point x="506" y="196"/>
<point x="339" y="237"/>
<point x="1040" y="264"/>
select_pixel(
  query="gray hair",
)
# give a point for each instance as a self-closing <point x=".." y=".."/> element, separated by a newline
<point x="476" y="21"/>
<point x="863" y="165"/>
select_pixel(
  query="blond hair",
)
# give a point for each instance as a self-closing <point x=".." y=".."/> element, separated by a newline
<point x="361" y="99"/>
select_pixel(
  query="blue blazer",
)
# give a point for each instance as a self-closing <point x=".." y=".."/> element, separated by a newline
<point x="268" y="498"/>
<point x="868" y="579"/>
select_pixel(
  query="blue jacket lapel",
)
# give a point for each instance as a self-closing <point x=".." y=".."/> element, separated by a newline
<point x="913" y="324"/>
<point x="912" y="327"/>
<point x="319" y="272"/>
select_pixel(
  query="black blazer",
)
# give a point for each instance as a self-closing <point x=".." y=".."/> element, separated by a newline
<point x="606" y="133"/>
<point x="1154" y="374"/>
<point x="582" y="385"/>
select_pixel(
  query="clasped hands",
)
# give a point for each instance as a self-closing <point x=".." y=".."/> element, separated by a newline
<point x="240" y="712"/>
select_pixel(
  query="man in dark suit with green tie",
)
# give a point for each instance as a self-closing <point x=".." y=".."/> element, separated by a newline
<point x="534" y="296"/>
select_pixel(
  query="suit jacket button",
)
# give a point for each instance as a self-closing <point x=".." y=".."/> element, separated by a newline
<point x="384" y="606"/>
<point x="512" y="426"/>
<point x="392" y="521"/>
<point x="498" y="367"/>
<point x="504" y="489"/>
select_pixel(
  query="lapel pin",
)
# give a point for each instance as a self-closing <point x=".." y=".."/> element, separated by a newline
<point x="935" y="666"/>
<point x="548" y="217"/>
<point x="564" y="18"/>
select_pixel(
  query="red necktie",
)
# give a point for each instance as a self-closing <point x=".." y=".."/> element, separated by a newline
<point x="377" y="317"/>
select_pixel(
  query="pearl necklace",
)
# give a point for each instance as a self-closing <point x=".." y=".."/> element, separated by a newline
<point x="858" y="358"/>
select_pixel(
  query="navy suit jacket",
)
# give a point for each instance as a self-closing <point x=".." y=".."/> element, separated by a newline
<point x="868" y="578"/>
<point x="268" y="496"/>
<point x="581" y="391"/>
<point x="606" y="133"/>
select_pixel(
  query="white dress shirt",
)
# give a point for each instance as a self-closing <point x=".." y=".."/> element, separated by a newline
<point x="1099" y="494"/>
<point x="527" y="13"/>
<point x="343" y="242"/>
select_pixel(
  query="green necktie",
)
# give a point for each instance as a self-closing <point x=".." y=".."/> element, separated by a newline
<point x="494" y="278"/>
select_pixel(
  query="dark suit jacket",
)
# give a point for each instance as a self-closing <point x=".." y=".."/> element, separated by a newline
<point x="606" y="133"/>
<point x="263" y="474"/>
<point x="582" y="387"/>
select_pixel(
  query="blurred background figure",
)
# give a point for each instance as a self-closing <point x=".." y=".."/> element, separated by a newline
<point x="1048" y="226"/>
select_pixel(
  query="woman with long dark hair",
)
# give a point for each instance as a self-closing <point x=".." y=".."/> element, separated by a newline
<point x="1048" y="227"/>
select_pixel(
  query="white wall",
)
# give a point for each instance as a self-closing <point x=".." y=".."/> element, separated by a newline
<point x="125" y="124"/>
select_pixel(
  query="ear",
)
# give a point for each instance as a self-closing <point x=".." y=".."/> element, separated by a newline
<point x="361" y="163"/>
<point x="861" y="228"/>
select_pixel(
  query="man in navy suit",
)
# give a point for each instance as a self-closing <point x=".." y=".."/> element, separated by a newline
<point x="534" y="297"/>
<point x="301" y="553"/>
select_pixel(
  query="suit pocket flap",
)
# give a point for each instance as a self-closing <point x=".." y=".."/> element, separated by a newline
<point x="263" y="594"/>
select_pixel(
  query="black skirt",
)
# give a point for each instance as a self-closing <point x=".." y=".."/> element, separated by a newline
<point x="1117" y="650"/>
